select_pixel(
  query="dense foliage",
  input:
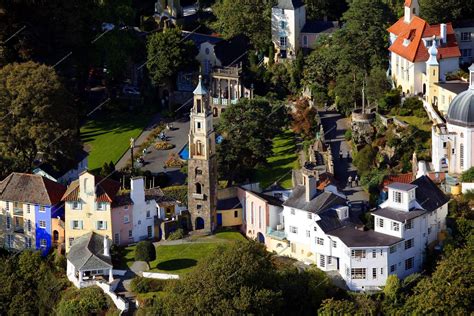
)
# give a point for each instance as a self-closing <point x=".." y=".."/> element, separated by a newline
<point x="168" y="53"/>
<point x="444" y="11"/>
<point x="248" y="128"/>
<point x="243" y="279"/>
<point x="37" y="118"/>
<point x="304" y="119"/>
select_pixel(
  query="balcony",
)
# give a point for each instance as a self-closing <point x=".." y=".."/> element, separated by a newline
<point x="19" y="229"/>
<point x="17" y="211"/>
<point x="276" y="234"/>
<point x="198" y="196"/>
<point x="224" y="101"/>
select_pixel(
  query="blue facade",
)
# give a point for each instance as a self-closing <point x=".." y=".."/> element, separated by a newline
<point x="43" y="233"/>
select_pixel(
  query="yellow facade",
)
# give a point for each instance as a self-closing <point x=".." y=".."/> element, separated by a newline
<point x="294" y="250"/>
<point x="83" y="216"/>
<point x="232" y="217"/>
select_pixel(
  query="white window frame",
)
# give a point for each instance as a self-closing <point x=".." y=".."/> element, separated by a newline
<point x="409" y="243"/>
<point x="320" y="241"/>
<point x="466" y="36"/>
<point x="358" y="273"/>
<point x="42" y="226"/>
<point x="358" y="253"/>
<point x="126" y="219"/>
<point x="308" y="233"/>
<point x="395" y="226"/>
<point x="397" y="197"/>
<point x="409" y="224"/>
<point x="380" y="222"/>
<point x="409" y="263"/>
<point x="101" y="225"/>
<point x="43" y="243"/>
<point x="293" y="229"/>
<point x="334" y="244"/>
<point x="42" y="208"/>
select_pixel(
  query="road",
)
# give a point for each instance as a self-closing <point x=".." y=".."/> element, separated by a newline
<point x="335" y="125"/>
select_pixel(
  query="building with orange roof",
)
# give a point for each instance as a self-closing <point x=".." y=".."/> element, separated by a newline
<point x="410" y="40"/>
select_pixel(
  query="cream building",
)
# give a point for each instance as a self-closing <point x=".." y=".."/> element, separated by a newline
<point x="88" y="205"/>
<point x="453" y="141"/>
<point x="410" y="38"/>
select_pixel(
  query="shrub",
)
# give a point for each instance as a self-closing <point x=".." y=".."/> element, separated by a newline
<point x="174" y="161"/>
<point x="144" y="285"/>
<point x="348" y="135"/>
<point x="364" y="159"/>
<point x="161" y="145"/>
<point x="177" y="234"/>
<point x="468" y="175"/>
<point x="145" y="251"/>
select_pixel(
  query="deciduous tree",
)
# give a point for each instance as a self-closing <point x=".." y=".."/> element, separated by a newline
<point x="169" y="53"/>
<point x="37" y="118"/>
<point x="251" y="18"/>
<point x="248" y="128"/>
<point x="304" y="119"/>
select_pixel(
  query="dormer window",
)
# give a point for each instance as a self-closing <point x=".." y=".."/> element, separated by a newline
<point x="406" y="42"/>
<point x="397" y="197"/>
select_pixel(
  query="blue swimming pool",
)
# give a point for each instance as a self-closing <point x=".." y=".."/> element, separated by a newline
<point x="184" y="153"/>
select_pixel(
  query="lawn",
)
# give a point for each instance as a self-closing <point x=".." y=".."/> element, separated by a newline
<point x="179" y="259"/>
<point x="284" y="158"/>
<point x="422" y="123"/>
<point x="107" y="139"/>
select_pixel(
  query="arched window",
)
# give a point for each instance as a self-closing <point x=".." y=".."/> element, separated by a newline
<point x="198" y="106"/>
<point x="198" y="188"/>
<point x="198" y="171"/>
<point x="198" y="148"/>
<point x="214" y="112"/>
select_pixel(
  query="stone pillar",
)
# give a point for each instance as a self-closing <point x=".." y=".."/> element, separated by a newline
<point x="111" y="275"/>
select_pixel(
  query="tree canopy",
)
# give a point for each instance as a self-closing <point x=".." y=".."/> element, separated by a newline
<point x="304" y="119"/>
<point x="251" y="18"/>
<point x="38" y="118"/>
<point x="145" y="251"/>
<point x="444" y="11"/>
<point x="248" y="128"/>
<point x="167" y="54"/>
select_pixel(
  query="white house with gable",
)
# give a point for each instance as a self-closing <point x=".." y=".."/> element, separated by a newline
<point x="320" y="228"/>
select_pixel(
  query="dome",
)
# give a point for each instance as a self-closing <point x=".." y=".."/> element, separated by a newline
<point x="461" y="109"/>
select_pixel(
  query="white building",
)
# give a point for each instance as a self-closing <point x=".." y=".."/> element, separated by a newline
<point x="288" y="19"/>
<point x="320" y="228"/>
<point x="465" y="36"/>
<point x="144" y="211"/>
<point x="410" y="38"/>
<point x="453" y="142"/>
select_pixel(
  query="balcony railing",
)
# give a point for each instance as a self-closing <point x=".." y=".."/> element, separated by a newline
<point x="276" y="234"/>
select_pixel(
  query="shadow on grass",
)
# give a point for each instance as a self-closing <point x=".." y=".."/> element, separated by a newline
<point x="176" y="264"/>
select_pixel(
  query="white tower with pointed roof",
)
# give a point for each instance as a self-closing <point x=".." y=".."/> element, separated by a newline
<point x="202" y="164"/>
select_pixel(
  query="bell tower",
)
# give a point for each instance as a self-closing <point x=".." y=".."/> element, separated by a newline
<point x="202" y="164"/>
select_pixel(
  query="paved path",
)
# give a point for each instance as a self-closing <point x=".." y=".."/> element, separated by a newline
<point x="335" y="125"/>
<point x="155" y="159"/>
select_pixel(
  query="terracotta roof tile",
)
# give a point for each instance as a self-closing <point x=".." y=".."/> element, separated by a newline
<point x="106" y="190"/>
<point x="415" y="31"/>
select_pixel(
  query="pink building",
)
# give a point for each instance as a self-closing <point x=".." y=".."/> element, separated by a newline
<point x="122" y="220"/>
<point x="261" y="213"/>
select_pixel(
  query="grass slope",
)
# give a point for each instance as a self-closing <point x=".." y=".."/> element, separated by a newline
<point x="107" y="139"/>
<point x="182" y="258"/>
<point x="284" y="158"/>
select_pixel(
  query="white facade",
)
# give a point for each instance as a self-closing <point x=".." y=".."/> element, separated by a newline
<point x="144" y="211"/>
<point x="286" y="29"/>
<point x="364" y="259"/>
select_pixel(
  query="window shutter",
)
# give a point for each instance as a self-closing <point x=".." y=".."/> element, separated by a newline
<point x="97" y="225"/>
<point x="81" y="224"/>
<point x="105" y="224"/>
<point x="72" y="224"/>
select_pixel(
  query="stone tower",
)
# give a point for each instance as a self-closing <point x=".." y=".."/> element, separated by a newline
<point x="202" y="164"/>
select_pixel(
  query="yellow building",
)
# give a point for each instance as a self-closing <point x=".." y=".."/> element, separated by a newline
<point x="229" y="212"/>
<point x="88" y="207"/>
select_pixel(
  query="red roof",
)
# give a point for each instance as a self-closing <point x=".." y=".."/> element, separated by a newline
<point x="105" y="191"/>
<point x="415" y="31"/>
<point x="408" y="178"/>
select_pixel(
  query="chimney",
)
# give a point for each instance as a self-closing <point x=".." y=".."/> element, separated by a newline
<point x="106" y="246"/>
<point x="422" y="170"/>
<point x="137" y="190"/>
<point x="310" y="187"/>
<point x="443" y="33"/>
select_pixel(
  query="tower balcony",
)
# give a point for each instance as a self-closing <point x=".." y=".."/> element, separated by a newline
<point x="198" y="196"/>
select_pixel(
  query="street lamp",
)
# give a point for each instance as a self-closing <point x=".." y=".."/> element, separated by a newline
<point x="132" y="145"/>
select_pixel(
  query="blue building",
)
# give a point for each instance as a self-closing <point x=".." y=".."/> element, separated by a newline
<point x="30" y="212"/>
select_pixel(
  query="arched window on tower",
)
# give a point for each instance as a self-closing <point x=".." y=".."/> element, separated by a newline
<point x="198" y="148"/>
<point x="198" y="171"/>
<point x="198" y="106"/>
<point x="198" y="188"/>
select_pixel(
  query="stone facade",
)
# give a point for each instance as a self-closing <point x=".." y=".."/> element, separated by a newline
<point x="202" y="164"/>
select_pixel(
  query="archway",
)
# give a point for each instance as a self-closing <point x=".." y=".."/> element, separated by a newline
<point x="260" y="238"/>
<point x="198" y="188"/>
<point x="55" y="236"/>
<point x="199" y="223"/>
